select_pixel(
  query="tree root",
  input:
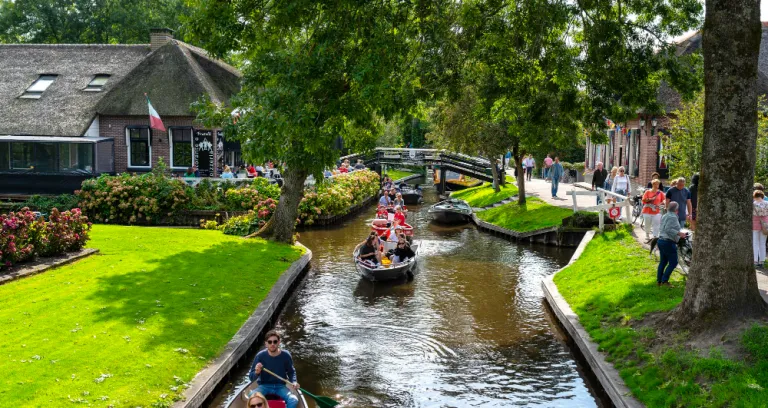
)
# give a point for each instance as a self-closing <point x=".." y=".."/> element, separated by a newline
<point x="266" y="231"/>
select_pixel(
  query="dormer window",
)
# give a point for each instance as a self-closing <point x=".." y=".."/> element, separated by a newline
<point x="35" y="91"/>
<point x="97" y="83"/>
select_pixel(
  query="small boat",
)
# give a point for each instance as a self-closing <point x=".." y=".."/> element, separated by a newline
<point x="457" y="184"/>
<point x="379" y="225"/>
<point x="274" y="401"/>
<point x="411" y="195"/>
<point x="451" y="211"/>
<point x="384" y="272"/>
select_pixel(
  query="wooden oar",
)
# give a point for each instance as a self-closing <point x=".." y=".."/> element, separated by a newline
<point x="322" y="402"/>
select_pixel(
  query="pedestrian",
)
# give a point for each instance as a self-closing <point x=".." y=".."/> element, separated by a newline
<point x="598" y="178"/>
<point x="682" y="196"/>
<point x="611" y="176"/>
<point x="557" y="172"/>
<point x="279" y="362"/>
<point x="694" y="189"/>
<point x="529" y="167"/>
<point x="621" y="184"/>
<point x="759" y="227"/>
<point x="668" y="236"/>
<point x="652" y="201"/>
<point x="547" y="167"/>
<point x="656" y="176"/>
<point x="758" y="186"/>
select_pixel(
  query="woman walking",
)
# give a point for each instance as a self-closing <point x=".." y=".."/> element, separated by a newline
<point x="652" y="201"/>
<point x="609" y="180"/>
<point x="759" y="227"/>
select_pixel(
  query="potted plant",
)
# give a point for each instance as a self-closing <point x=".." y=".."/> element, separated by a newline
<point x="580" y="176"/>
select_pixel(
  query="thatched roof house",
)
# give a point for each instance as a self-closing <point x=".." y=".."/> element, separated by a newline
<point x="92" y="96"/>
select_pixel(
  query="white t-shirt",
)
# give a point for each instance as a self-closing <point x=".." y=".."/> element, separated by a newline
<point x="621" y="183"/>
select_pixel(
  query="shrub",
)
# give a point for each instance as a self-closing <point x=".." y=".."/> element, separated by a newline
<point x="45" y="204"/>
<point x="23" y="236"/>
<point x="335" y="197"/>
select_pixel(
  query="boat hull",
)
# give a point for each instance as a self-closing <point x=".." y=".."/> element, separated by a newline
<point x="241" y="402"/>
<point x="449" y="217"/>
<point x="412" y="198"/>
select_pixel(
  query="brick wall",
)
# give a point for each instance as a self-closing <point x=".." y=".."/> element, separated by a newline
<point x="114" y="127"/>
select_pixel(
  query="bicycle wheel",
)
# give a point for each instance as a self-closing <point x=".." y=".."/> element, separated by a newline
<point x="684" y="255"/>
<point x="637" y="211"/>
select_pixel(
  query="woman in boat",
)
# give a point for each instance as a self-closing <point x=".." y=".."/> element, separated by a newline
<point x="257" y="400"/>
<point x="370" y="250"/>
<point x="403" y="251"/>
<point x="399" y="215"/>
<point x="398" y="201"/>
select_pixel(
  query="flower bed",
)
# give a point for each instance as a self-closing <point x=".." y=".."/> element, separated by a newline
<point x="23" y="236"/>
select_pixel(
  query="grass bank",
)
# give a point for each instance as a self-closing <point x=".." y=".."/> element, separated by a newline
<point x="399" y="174"/>
<point x="132" y="325"/>
<point x="612" y="288"/>
<point x="483" y="196"/>
<point x="534" y="215"/>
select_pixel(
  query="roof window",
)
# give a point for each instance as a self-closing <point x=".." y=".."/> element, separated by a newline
<point x="97" y="83"/>
<point x="35" y="91"/>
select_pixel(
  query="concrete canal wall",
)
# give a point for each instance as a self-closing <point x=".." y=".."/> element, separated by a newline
<point x="604" y="371"/>
<point x="206" y="381"/>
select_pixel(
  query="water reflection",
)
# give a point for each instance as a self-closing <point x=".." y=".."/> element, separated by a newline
<point x="469" y="330"/>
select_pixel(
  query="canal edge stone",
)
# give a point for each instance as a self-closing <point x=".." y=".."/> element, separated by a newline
<point x="41" y="265"/>
<point x="206" y="380"/>
<point x="514" y="234"/>
<point x="605" y="372"/>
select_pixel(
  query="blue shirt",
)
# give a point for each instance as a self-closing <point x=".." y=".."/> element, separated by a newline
<point x="384" y="200"/>
<point x="681" y="197"/>
<point x="281" y="365"/>
<point x="557" y="171"/>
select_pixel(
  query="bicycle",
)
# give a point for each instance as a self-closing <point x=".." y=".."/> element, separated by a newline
<point x="684" y="252"/>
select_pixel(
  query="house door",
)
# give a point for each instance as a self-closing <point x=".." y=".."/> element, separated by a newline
<point x="202" y="145"/>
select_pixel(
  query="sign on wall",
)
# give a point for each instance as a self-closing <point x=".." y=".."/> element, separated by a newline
<point x="202" y="145"/>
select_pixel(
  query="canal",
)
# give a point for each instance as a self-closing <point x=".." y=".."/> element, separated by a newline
<point x="469" y="330"/>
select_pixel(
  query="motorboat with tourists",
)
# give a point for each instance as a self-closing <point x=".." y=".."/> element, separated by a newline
<point x="387" y="270"/>
<point x="241" y="401"/>
<point x="380" y="225"/>
<point x="411" y="195"/>
<point x="451" y="211"/>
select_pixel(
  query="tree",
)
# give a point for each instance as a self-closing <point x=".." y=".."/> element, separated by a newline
<point x="722" y="283"/>
<point x="314" y="71"/>
<point x="87" y="21"/>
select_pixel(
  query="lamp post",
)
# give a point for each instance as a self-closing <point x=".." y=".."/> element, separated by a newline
<point x="653" y="125"/>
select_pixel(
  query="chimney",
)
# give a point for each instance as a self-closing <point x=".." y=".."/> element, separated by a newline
<point x="159" y="37"/>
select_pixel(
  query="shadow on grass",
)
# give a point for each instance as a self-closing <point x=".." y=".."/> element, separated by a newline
<point x="193" y="299"/>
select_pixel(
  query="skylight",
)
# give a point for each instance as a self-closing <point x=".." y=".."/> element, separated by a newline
<point x="35" y="91"/>
<point x="97" y="83"/>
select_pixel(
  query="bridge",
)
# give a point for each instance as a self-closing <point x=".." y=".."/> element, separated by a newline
<point x="474" y="167"/>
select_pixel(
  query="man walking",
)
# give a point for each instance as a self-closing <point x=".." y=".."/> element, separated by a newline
<point x="682" y="196"/>
<point x="279" y="362"/>
<point x="529" y="167"/>
<point x="598" y="179"/>
<point x="547" y="167"/>
<point x="670" y="232"/>
<point x="557" y="172"/>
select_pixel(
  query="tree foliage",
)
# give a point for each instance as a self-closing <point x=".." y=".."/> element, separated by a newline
<point x="88" y="21"/>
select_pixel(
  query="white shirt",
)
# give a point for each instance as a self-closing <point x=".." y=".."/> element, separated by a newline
<point x="621" y="183"/>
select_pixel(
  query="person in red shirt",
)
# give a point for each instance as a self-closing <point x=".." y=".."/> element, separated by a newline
<point x="652" y="202"/>
<point x="399" y="216"/>
<point x="251" y="171"/>
<point x="382" y="212"/>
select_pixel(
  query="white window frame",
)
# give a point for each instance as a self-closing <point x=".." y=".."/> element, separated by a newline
<point x="191" y="144"/>
<point x="39" y="86"/>
<point x="128" y="146"/>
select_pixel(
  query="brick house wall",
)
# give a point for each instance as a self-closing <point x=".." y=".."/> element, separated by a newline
<point x="114" y="127"/>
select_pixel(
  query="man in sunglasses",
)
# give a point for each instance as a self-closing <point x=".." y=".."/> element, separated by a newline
<point x="279" y="362"/>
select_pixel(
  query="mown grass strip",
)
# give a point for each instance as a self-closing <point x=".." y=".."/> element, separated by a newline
<point x="399" y="174"/>
<point x="533" y="215"/>
<point x="613" y="286"/>
<point x="131" y="325"/>
<point x="483" y="196"/>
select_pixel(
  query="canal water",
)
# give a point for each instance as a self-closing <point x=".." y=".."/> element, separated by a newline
<point x="469" y="330"/>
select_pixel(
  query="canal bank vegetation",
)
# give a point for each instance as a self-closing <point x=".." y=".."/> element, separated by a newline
<point x="485" y="195"/>
<point x="132" y="325"/>
<point x="612" y="288"/>
<point x="534" y="215"/>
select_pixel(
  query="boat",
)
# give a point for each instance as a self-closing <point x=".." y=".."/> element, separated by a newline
<point x="241" y="400"/>
<point x="411" y="195"/>
<point x="385" y="272"/>
<point x="379" y="225"/>
<point x="457" y="184"/>
<point x="451" y="211"/>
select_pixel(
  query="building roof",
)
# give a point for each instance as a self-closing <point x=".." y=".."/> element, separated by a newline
<point x="671" y="99"/>
<point x="174" y="76"/>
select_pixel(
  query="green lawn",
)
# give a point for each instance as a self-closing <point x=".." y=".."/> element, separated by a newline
<point x="398" y="174"/>
<point x="131" y="325"/>
<point x="534" y="215"/>
<point x="483" y="196"/>
<point x="611" y="286"/>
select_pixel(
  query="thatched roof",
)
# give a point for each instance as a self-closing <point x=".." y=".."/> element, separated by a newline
<point x="64" y="109"/>
<point x="174" y="76"/>
<point x="671" y="100"/>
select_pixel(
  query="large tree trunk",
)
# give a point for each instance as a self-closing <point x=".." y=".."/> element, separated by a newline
<point x="283" y="222"/>
<point x="518" y="156"/>
<point x="722" y="282"/>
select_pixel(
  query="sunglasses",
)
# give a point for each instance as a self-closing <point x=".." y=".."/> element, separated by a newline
<point x="257" y="405"/>
<point x="273" y="341"/>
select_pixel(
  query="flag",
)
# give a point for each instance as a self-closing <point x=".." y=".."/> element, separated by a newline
<point x="154" y="118"/>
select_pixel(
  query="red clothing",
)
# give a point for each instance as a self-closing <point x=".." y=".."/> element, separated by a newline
<point x="251" y="171"/>
<point x="759" y="213"/>
<point x="382" y="214"/>
<point x="343" y="170"/>
<point x="652" y="207"/>
<point x="400" y="217"/>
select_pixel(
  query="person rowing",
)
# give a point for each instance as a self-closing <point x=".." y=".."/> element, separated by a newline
<point x="279" y="362"/>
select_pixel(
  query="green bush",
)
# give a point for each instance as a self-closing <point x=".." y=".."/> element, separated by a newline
<point x="45" y="204"/>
